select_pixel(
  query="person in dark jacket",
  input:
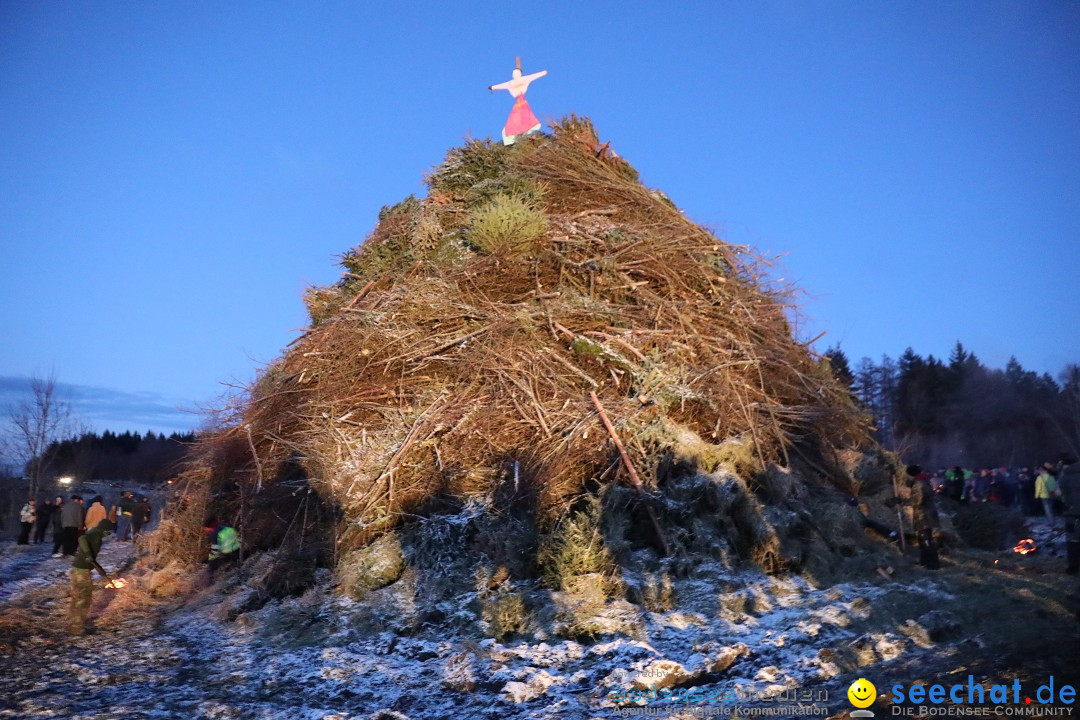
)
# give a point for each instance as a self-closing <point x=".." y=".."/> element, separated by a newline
<point x="954" y="483"/>
<point x="71" y="520"/>
<point x="44" y="519"/>
<point x="58" y="526"/>
<point x="924" y="517"/>
<point x="82" y="581"/>
<point x="1070" y="498"/>
<point x="140" y="515"/>
<point x="127" y="506"/>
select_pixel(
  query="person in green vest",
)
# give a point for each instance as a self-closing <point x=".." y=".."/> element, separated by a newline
<point x="224" y="545"/>
<point x="82" y="582"/>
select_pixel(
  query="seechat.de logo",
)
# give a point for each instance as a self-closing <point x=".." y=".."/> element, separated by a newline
<point x="862" y="694"/>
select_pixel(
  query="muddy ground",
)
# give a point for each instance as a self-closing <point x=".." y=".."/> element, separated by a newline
<point x="766" y="645"/>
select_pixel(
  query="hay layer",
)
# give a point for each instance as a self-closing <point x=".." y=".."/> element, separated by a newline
<point x="478" y="336"/>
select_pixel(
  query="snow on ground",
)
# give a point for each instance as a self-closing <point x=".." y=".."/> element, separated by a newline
<point x="303" y="657"/>
<point x="23" y="567"/>
<point x="769" y="639"/>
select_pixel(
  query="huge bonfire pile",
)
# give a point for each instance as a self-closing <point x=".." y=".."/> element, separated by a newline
<point x="546" y="342"/>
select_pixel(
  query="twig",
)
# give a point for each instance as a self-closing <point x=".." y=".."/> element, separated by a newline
<point x="569" y="366"/>
<point x="360" y="295"/>
<point x="258" y="465"/>
<point x="409" y="438"/>
<point x="629" y="468"/>
<point x="600" y="211"/>
<point x="564" y="331"/>
<point x="817" y="337"/>
<point x="621" y="343"/>
<point x="446" y="346"/>
<point x="618" y="443"/>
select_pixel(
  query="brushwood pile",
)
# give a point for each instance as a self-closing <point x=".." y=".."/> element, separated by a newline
<point x="540" y="378"/>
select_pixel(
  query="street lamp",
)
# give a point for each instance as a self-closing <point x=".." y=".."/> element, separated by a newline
<point x="65" y="480"/>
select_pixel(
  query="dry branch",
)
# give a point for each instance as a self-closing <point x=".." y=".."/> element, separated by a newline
<point x="704" y="338"/>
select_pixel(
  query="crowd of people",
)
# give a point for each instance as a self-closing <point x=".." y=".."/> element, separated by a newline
<point x="80" y="532"/>
<point x="1051" y="489"/>
<point x="1032" y="490"/>
<point x="70" y="518"/>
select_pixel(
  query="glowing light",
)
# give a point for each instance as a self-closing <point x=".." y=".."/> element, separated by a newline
<point x="1025" y="546"/>
<point x="116" y="583"/>
<point x="65" y="480"/>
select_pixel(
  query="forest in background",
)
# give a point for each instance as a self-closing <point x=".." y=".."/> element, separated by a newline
<point x="150" y="458"/>
<point x="933" y="412"/>
<point x="939" y="413"/>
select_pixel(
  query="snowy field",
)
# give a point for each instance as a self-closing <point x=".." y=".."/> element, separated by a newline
<point x="775" y="646"/>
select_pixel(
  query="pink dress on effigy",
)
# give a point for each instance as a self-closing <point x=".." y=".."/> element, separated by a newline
<point x="522" y="121"/>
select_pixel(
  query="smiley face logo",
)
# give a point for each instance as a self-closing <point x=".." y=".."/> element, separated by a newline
<point x="862" y="693"/>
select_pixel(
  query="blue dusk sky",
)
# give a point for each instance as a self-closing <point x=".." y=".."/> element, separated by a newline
<point x="173" y="175"/>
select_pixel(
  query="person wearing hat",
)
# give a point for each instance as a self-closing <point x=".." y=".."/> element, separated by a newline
<point x="82" y="581"/>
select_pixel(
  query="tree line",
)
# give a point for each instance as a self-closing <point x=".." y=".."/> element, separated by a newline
<point x="939" y="413"/>
<point x="151" y="458"/>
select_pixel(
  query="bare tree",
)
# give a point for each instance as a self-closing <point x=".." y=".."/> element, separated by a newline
<point x="36" y="422"/>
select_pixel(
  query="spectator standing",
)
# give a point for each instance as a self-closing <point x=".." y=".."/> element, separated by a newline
<point x="123" y="519"/>
<point x="27" y="516"/>
<point x="954" y="483"/>
<point x="58" y="526"/>
<point x="1025" y="490"/>
<point x="981" y="492"/>
<point x="140" y="515"/>
<point x="1006" y="487"/>
<point x="95" y="513"/>
<point x="71" y="521"/>
<point x="937" y="481"/>
<point x="1046" y="491"/>
<point x="44" y="519"/>
<point x="1070" y="497"/>
<point x="924" y="516"/>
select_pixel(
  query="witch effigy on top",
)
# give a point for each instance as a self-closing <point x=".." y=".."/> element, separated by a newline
<point x="521" y="120"/>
